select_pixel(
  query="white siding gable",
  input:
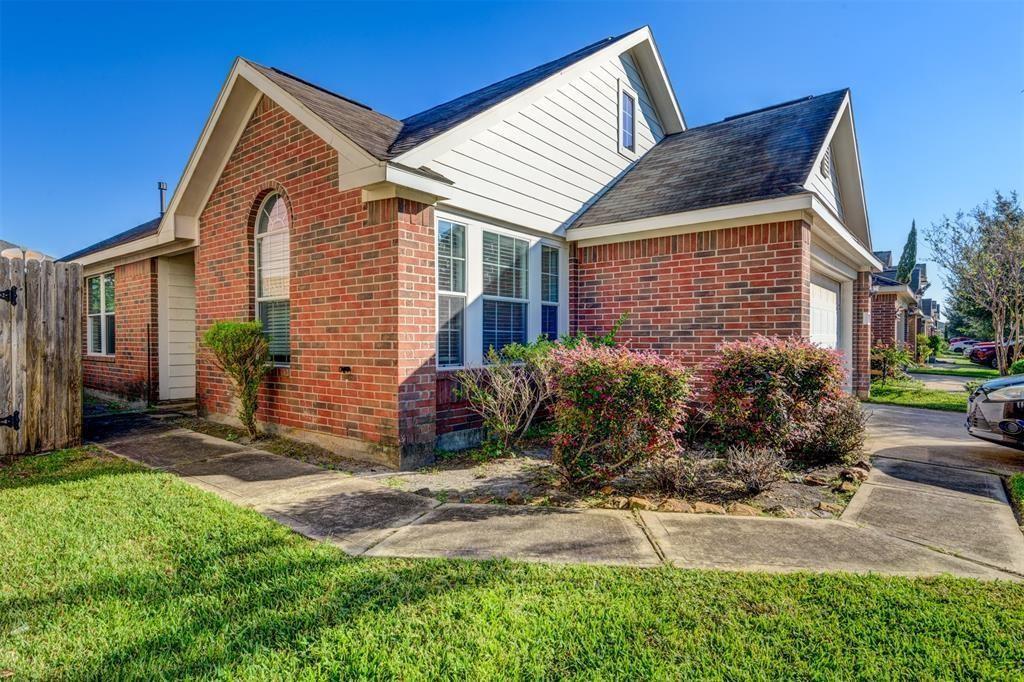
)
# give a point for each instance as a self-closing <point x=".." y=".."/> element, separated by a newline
<point x="538" y="167"/>
<point x="826" y="187"/>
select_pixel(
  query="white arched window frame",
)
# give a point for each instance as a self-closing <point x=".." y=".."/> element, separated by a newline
<point x="273" y="275"/>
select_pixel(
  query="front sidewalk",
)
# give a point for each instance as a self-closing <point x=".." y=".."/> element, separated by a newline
<point x="913" y="516"/>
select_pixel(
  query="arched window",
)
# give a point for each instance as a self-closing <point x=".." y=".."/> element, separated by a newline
<point x="272" y="276"/>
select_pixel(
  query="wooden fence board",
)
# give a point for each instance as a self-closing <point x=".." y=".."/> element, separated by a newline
<point x="40" y="355"/>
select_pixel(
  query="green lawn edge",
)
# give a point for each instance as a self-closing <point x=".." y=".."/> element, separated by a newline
<point x="917" y="395"/>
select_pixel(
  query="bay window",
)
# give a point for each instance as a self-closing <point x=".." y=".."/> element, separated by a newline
<point x="495" y="286"/>
<point x="505" y="290"/>
<point x="101" y="317"/>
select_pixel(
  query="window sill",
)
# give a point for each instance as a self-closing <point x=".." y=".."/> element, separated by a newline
<point x="100" y="357"/>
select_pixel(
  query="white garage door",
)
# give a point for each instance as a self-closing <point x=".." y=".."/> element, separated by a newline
<point x="825" y="312"/>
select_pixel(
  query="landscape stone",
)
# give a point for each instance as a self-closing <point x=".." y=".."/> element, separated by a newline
<point x="708" y="508"/>
<point x="846" y="487"/>
<point x="815" y="479"/>
<point x="675" y="505"/>
<point x="641" y="503"/>
<point x="854" y="474"/>
<point x="834" y="509"/>
<point x="739" y="509"/>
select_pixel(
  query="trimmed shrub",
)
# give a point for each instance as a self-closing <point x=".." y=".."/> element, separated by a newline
<point x="614" y="408"/>
<point x="242" y="352"/>
<point x="763" y="392"/>
<point x="1017" y="367"/>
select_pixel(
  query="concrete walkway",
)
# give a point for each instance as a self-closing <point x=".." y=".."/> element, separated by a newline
<point x="943" y="382"/>
<point x="934" y="504"/>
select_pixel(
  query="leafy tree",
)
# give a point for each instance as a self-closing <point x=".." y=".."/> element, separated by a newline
<point x="242" y="352"/>
<point x="908" y="259"/>
<point x="983" y="254"/>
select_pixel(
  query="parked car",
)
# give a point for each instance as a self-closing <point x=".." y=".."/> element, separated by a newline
<point x="985" y="354"/>
<point x="995" y="411"/>
<point x="962" y="344"/>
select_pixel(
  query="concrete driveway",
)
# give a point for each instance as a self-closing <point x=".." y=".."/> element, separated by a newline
<point x="933" y="504"/>
<point x="942" y="382"/>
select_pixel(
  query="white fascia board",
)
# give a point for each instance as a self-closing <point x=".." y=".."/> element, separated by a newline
<point x="130" y="252"/>
<point x="902" y="291"/>
<point x="841" y="237"/>
<point x="434" y="147"/>
<point x="699" y="217"/>
<point x="845" y="108"/>
<point x="660" y="90"/>
<point x="836" y="120"/>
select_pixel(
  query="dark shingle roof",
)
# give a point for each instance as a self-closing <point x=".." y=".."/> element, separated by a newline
<point x="420" y="127"/>
<point x="385" y="137"/>
<point x="137" y="232"/>
<point x="885" y="257"/>
<point x="764" y="154"/>
<point x="371" y="130"/>
<point x="881" y="280"/>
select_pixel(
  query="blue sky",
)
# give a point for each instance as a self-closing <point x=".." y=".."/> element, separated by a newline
<point x="98" y="101"/>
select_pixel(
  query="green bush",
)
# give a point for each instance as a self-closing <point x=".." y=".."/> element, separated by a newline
<point x="614" y="408"/>
<point x="242" y="352"/>
<point x="923" y="350"/>
<point x="509" y="392"/>
<point x="1017" y="367"/>
<point x="888" y="362"/>
<point x="937" y="344"/>
<point x="765" y="392"/>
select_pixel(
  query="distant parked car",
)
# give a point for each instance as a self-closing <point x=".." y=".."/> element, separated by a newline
<point x="985" y="354"/>
<point x="961" y="344"/>
<point x="995" y="411"/>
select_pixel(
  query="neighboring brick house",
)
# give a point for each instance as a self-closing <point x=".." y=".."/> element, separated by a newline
<point x="898" y="311"/>
<point x="383" y="254"/>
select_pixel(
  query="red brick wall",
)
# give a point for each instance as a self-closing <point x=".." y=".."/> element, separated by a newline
<point x="685" y="294"/>
<point x="861" y="356"/>
<point x="135" y="336"/>
<point x="362" y="292"/>
<point x="883" y="319"/>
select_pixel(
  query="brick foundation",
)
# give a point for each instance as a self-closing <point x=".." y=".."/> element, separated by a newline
<point x="131" y="373"/>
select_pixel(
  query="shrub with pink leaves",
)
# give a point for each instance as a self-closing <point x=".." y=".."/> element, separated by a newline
<point x="770" y="391"/>
<point x="614" y="408"/>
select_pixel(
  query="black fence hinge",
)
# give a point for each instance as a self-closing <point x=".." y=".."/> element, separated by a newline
<point x="9" y="295"/>
<point x="12" y="420"/>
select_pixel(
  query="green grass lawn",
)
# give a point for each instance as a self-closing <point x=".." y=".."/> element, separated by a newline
<point x="915" y="394"/>
<point x="1016" y="486"/>
<point x="971" y="371"/>
<point x="108" y="571"/>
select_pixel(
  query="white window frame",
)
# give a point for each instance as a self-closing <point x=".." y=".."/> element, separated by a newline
<point x="101" y="316"/>
<point x="472" y="315"/>
<point x="256" y="269"/>
<point x="624" y="88"/>
<point x="453" y="294"/>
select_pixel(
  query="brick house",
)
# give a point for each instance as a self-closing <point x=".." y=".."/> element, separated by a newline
<point x="898" y="310"/>
<point x="382" y="254"/>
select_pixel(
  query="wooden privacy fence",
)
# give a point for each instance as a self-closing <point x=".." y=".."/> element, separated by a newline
<point x="40" y="355"/>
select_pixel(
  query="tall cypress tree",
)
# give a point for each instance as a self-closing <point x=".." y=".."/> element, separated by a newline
<point x="909" y="258"/>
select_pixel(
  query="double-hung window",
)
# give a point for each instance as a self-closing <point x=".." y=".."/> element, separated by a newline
<point x="549" y="297"/>
<point x="273" y="270"/>
<point x="101" y="323"/>
<point x="451" y="293"/>
<point x="505" y="290"/>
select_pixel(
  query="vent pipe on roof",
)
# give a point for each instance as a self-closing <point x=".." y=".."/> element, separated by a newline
<point x="162" y="187"/>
